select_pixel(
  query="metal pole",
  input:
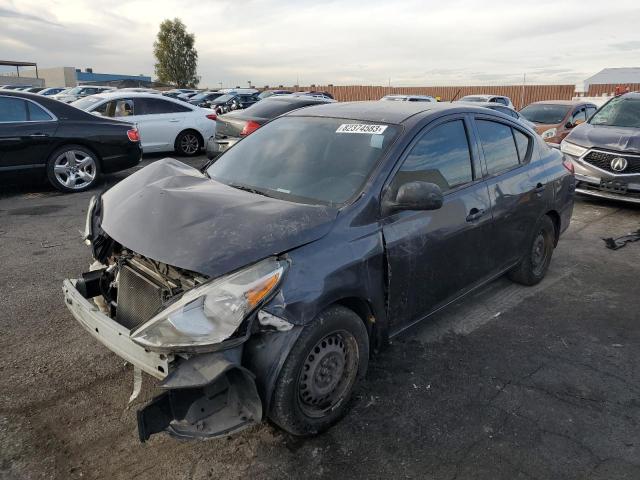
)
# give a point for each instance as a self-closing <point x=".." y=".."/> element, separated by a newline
<point x="37" y="71"/>
<point x="18" y="70"/>
<point x="524" y="80"/>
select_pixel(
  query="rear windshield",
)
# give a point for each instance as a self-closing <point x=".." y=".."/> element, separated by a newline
<point x="306" y="159"/>
<point x="86" y="102"/>
<point x="619" y="112"/>
<point x="473" y="99"/>
<point x="272" y="108"/>
<point x="225" y="98"/>
<point x="545" y="113"/>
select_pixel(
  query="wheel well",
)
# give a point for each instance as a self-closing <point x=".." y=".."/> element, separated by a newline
<point x="555" y="218"/>
<point x="362" y="309"/>
<point x="200" y="137"/>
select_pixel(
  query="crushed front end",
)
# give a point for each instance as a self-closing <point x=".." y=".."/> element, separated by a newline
<point x="184" y="328"/>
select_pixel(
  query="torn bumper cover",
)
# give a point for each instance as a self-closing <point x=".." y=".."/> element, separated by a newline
<point x="207" y="395"/>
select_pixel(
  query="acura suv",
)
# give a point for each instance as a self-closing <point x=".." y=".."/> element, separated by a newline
<point x="606" y="150"/>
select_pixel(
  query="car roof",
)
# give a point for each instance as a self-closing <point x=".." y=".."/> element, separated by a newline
<point x="377" y="111"/>
<point x="130" y="94"/>
<point x="59" y="109"/>
<point x="485" y="104"/>
<point x="297" y="99"/>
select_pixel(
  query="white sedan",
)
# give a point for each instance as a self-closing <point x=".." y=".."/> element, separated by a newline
<point x="165" y="124"/>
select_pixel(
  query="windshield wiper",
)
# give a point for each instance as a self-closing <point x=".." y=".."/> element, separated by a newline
<point x="249" y="189"/>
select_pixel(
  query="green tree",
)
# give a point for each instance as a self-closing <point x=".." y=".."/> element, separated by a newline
<point x="177" y="59"/>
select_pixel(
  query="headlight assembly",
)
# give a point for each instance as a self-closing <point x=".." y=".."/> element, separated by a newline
<point x="551" y="132"/>
<point x="212" y="312"/>
<point x="572" y="149"/>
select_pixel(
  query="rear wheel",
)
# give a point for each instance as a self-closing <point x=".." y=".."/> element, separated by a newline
<point x="316" y="381"/>
<point x="535" y="264"/>
<point x="73" y="168"/>
<point x="188" y="143"/>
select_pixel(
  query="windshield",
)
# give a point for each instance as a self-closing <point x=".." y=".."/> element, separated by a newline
<point x="74" y="91"/>
<point x="306" y="159"/>
<point x="619" y="112"/>
<point x="200" y="96"/>
<point x="86" y="102"/>
<point x="545" y="113"/>
<point x="473" y="99"/>
<point x="224" y="98"/>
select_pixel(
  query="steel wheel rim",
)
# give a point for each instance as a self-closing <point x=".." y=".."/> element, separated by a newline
<point x="189" y="144"/>
<point x="75" y="169"/>
<point x="539" y="253"/>
<point x="329" y="371"/>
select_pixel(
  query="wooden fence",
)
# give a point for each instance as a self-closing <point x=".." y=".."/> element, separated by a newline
<point x="600" y="89"/>
<point x="520" y="96"/>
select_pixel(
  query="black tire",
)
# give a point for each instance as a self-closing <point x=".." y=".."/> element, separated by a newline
<point x="73" y="168"/>
<point x="533" y="267"/>
<point x="306" y="406"/>
<point x="188" y="143"/>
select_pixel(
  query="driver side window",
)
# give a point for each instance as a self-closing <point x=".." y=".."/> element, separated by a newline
<point x="579" y="115"/>
<point x="441" y="156"/>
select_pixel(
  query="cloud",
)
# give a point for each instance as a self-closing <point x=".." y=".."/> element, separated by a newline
<point x="411" y="42"/>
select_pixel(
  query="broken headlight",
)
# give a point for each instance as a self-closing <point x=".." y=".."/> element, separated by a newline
<point x="212" y="312"/>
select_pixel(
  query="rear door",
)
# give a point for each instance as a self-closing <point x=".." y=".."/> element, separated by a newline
<point x="434" y="256"/>
<point x="517" y="185"/>
<point x="26" y="134"/>
<point x="159" y="122"/>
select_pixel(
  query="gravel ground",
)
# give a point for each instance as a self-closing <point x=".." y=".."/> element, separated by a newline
<point x="510" y="383"/>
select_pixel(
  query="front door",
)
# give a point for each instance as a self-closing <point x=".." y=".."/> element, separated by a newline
<point x="435" y="256"/>
<point x="26" y="132"/>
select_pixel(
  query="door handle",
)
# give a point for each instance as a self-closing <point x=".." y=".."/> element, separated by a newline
<point x="475" y="214"/>
<point x="38" y="135"/>
<point x="174" y="120"/>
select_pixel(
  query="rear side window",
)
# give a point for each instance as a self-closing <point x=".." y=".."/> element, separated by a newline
<point x="155" y="106"/>
<point x="501" y="100"/>
<point x="441" y="156"/>
<point x="522" y="144"/>
<point x="498" y="145"/>
<point x="37" y="114"/>
<point x="13" y="110"/>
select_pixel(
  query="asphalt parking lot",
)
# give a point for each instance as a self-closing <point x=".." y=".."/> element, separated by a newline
<point x="511" y="383"/>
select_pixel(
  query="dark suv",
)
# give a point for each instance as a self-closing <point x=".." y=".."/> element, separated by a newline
<point x="606" y="150"/>
<point x="258" y="286"/>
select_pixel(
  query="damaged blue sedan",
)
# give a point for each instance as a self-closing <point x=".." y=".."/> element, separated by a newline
<point x="258" y="286"/>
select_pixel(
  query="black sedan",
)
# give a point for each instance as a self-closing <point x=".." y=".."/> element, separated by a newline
<point x="233" y="126"/>
<point x="232" y="101"/>
<point x="202" y="99"/>
<point x="45" y="137"/>
<point x="257" y="287"/>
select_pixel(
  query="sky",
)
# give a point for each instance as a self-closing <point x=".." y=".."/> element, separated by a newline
<point x="345" y="42"/>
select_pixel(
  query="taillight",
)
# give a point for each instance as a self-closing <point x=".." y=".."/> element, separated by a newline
<point x="134" y="135"/>
<point x="212" y="116"/>
<point x="249" y="127"/>
<point x="568" y="164"/>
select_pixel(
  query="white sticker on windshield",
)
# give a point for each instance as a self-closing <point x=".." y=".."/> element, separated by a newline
<point x="361" y="128"/>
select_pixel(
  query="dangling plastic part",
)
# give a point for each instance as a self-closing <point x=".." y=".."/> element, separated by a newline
<point x="137" y="384"/>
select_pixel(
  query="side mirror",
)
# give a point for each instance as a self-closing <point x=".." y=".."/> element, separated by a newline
<point x="569" y="124"/>
<point x="416" y="196"/>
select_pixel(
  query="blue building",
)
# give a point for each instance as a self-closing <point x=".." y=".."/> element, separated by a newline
<point x="89" y="76"/>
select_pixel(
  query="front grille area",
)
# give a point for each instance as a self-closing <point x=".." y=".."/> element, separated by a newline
<point x="602" y="160"/>
<point x="139" y="298"/>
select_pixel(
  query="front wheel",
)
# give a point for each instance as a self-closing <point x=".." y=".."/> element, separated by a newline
<point x="73" y="168"/>
<point x="533" y="267"/>
<point x="188" y="143"/>
<point x="317" y="379"/>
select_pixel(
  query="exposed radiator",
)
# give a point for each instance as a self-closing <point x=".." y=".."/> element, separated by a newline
<point x="139" y="298"/>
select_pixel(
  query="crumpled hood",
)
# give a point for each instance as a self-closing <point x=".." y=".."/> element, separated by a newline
<point x="609" y="138"/>
<point x="174" y="214"/>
